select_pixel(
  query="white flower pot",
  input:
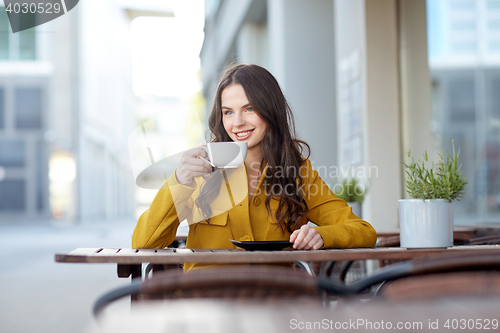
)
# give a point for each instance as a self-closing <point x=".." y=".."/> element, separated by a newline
<point x="426" y="223"/>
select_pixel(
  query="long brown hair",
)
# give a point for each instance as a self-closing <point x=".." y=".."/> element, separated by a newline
<point x="282" y="150"/>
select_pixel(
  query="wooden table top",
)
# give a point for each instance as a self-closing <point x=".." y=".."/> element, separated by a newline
<point x="176" y="256"/>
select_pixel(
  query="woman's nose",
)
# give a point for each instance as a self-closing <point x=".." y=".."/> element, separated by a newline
<point x="239" y="120"/>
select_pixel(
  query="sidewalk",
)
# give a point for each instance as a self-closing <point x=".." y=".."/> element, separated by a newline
<point x="39" y="295"/>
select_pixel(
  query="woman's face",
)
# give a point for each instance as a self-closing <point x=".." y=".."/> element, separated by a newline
<point x="240" y="120"/>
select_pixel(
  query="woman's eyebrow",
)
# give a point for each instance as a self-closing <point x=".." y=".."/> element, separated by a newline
<point x="228" y="108"/>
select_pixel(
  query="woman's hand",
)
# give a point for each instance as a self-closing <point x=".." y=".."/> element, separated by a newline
<point x="306" y="238"/>
<point x="191" y="166"/>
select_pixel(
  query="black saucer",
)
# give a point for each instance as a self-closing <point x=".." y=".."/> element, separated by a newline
<point x="263" y="245"/>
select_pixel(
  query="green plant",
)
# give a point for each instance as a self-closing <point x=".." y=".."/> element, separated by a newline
<point x="443" y="182"/>
<point x="350" y="190"/>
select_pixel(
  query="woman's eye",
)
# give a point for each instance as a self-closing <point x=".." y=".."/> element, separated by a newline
<point x="249" y="109"/>
<point x="227" y="112"/>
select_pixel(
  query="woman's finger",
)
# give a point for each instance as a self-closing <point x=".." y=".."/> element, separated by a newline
<point x="195" y="152"/>
<point x="300" y="237"/>
<point x="308" y="239"/>
<point x="192" y="166"/>
<point x="192" y="163"/>
<point x="199" y="166"/>
<point x="318" y="241"/>
<point x="293" y="236"/>
<point x="306" y="242"/>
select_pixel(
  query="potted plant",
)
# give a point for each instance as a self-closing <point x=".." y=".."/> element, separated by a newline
<point x="427" y="219"/>
<point x="351" y="191"/>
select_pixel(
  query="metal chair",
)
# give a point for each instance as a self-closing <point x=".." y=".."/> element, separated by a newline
<point x="451" y="284"/>
<point x="419" y="267"/>
<point x="486" y="240"/>
<point x="392" y="241"/>
<point x="233" y="282"/>
<point x="343" y="267"/>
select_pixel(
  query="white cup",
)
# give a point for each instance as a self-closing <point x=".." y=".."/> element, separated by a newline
<point x="226" y="154"/>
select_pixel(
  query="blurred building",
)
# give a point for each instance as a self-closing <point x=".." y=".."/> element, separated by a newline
<point x="66" y="110"/>
<point x="464" y="57"/>
<point x="355" y="73"/>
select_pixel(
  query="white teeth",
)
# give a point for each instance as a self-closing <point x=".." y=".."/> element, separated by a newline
<point x="243" y="133"/>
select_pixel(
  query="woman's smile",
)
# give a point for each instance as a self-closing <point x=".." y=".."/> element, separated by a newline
<point x="241" y="136"/>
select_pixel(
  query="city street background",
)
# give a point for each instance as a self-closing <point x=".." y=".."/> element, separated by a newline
<point x="39" y="295"/>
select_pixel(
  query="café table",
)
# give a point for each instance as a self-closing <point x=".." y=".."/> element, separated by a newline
<point x="130" y="261"/>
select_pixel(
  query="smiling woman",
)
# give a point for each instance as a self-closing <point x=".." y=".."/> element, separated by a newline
<point x="250" y="107"/>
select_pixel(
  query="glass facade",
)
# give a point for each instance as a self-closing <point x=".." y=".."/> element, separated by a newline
<point x="40" y="170"/>
<point x="464" y="58"/>
<point x="13" y="193"/>
<point x="4" y="34"/>
<point x="18" y="46"/>
<point x="2" y="109"/>
<point x="12" y="153"/>
<point x="28" y="108"/>
<point x="27" y="42"/>
<point x="23" y="153"/>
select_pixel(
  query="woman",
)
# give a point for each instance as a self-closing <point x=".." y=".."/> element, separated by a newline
<point x="284" y="192"/>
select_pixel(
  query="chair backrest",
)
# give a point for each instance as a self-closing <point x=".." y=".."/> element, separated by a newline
<point x="235" y="282"/>
<point x="418" y="267"/>
<point x="486" y="240"/>
<point x="444" y="285"/>
<point x="263" y="283"/>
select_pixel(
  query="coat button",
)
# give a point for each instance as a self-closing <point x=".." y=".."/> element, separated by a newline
<point x="256" y="201"/>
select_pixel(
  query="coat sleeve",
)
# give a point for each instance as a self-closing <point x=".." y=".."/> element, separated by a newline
<point x="157" y="226"/>
<point x="337" y="225"/>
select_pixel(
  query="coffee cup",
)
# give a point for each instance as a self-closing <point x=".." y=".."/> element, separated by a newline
<point x="226" y="154"/>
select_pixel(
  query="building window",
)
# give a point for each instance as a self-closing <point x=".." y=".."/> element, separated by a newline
<point x="495" y="99"/>
<point x="494" y="25"/>
<point x="462" y="100"/>
<point x="464" y="46"/>
<point x="18" y="46"/>
<point x="12" y="153"/>
<point x="4" y="34"/>
<point x="493" y="5"/>
<point x="27" y="42"/>
<point x="494" y="46"/>
<point x="464" y="25"/>
<point x="2" y="108"/>
<point x="28" y="108"/>
<point x="462" y="5"/>
<point x="13" y="195"/>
